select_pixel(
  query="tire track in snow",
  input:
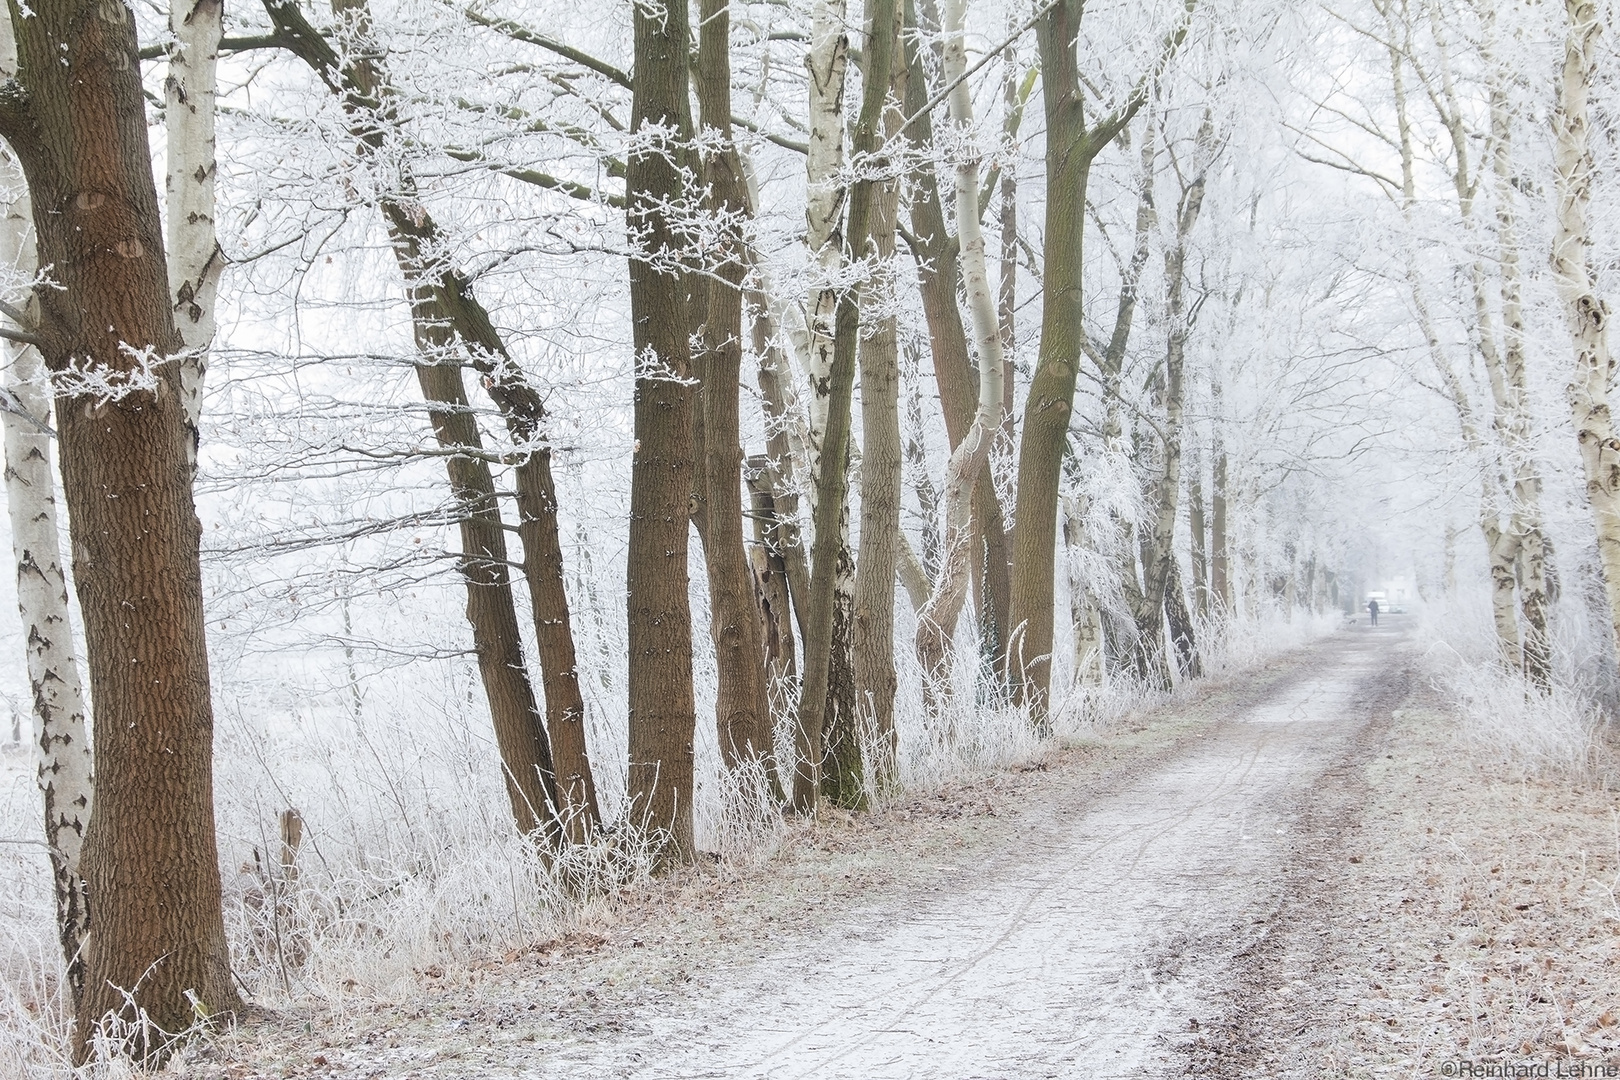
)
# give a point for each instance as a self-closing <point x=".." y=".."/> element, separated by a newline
<point x="1083" y="953"/>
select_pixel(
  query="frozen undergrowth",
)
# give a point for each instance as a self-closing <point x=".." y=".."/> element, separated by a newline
<point x="408" y="865"/>
<point x="1564" y="733"/>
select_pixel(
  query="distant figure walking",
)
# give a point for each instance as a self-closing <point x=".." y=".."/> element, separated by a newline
<point x="1372" y="609"/>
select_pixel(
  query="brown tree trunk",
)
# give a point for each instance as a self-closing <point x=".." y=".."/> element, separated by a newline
<point x="773" y="592"/>
<point x="742" y="709"/>
<point x="1071" y="146"/>
<point x="519" y="732"/>
<point x="881" y="464"/>
<point x="776" y="469"/>
<point x="1182" y="634"/>
<point x="76" y="118"/>
<point x="663" y="713"/>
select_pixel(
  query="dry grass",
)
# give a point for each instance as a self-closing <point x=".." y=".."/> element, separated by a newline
<point x="1471" y="915"/>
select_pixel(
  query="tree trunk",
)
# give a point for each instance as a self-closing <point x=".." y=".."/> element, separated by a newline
<point x="936" y="622"/>
<point x="1199" y="528"/>
<point x="1182" y="634"/>
<point x="75" y="116"/>
<point x="881" y="466"/>
<point x="519" y="733"/>
<point x="548" y="778"/>
<point x="1588" y="313"/>
<point x="771" y="577"/>
<point x="1086" y="620"/>
<point x="195" y="259"/>
<point x="1501" y="545"/>
<point x="829" y="554"/>
<point x="835" y="742"/>
<point x="1046" y="414"/>
<point x="937" y="255"/>
<point x="1504" y="364"/>
<point x="61" y="726"/>
<point x="662" y="707"/>
<point x="782" y="451"/>
<point x="742" y="709"/>
<point x="1159" y="572"/>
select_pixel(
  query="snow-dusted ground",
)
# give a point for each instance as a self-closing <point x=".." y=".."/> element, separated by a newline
<point x="1091" y="929"/>
<point x="1083" y="953"/>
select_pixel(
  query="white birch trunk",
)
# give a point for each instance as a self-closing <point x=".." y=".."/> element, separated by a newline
<point x="1587" y="312"/>
<point x="195" y="259"/>
<point x="60" y="722"/>
<point x="824" y="211"/>
<point x="1084" y="616"/>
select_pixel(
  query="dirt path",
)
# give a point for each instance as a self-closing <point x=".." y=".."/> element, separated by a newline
<point x="1093" y="939"/>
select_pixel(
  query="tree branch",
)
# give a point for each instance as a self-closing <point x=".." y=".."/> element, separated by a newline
<point x="519" y="32"/>
<point x="539" y="179"/>
<point x="22" y="337"/>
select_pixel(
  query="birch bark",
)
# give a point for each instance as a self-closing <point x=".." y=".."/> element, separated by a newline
<point x="195" y="258"/>
<point x="1587" y="312"/>
<point x="61" y="725"/>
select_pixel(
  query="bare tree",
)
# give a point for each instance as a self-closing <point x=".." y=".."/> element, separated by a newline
<point x="881" y="465"/>
<point x="742" y="711"/>
<point x="663" y="713"/>
<point x="452" y="329"/>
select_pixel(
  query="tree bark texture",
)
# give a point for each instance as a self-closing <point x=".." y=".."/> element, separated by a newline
<point x="1160" y="570"/>
<point x="1198" y="525"/>
<point x="1501" y="544"/>
<point x="1527" y="520"/>
<point x="1514" y="456"/>
<point x="1084" y="616"/>
<point x="1587" y="312"/>
<point x="662" y="706"/>
<point x="742" y="707"/>
<point x="1071" y="146"/>
<point x="195" y="258"/>
<point x="1220" y="546"/>
<point x="880" y="478"/>
<point x="936" y="622"/>
<point x="76" y="119"/>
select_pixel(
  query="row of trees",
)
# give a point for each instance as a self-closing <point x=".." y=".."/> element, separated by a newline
<point x="1163" y="458"/>
<point x="1486" y="164"/>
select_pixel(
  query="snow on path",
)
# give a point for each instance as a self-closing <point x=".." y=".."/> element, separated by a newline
<point x="1084" y="953"/>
